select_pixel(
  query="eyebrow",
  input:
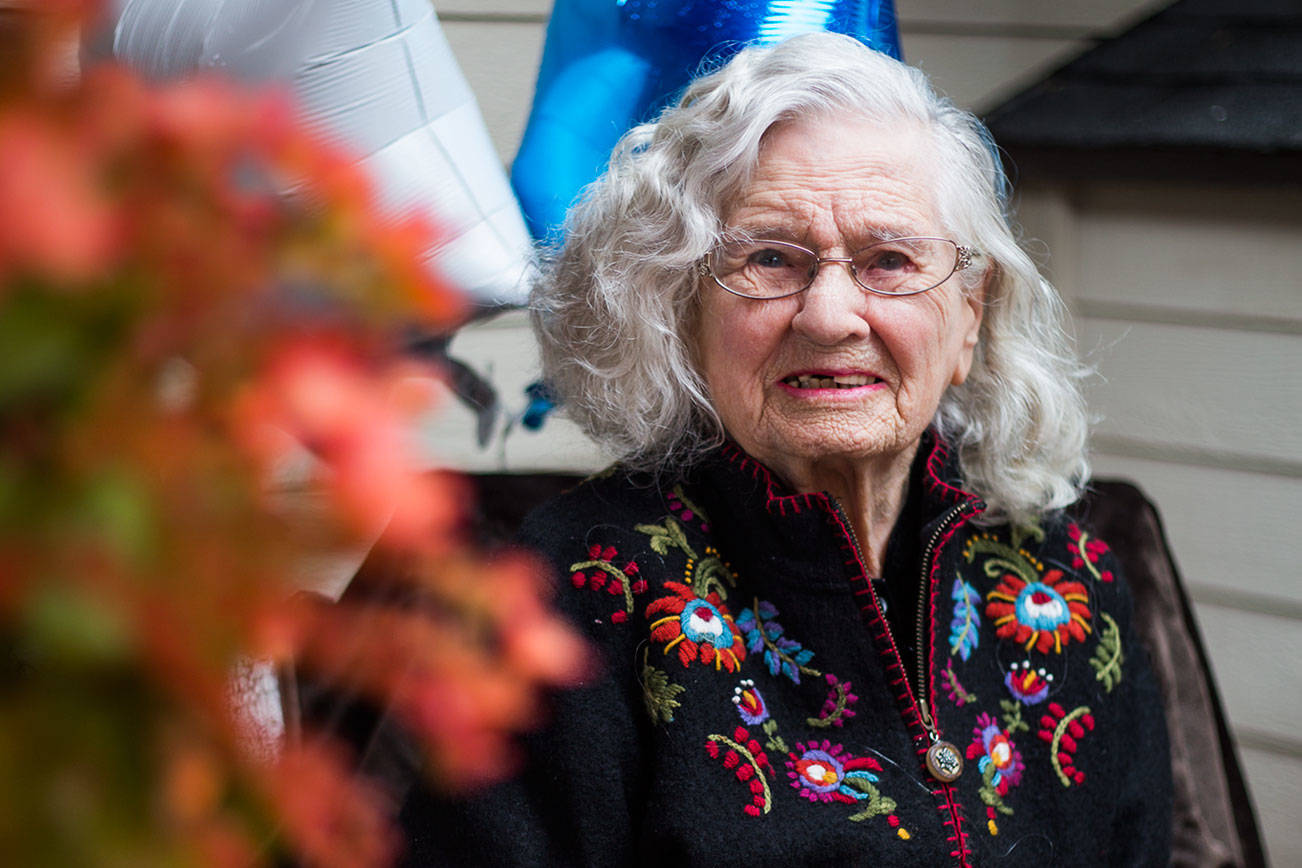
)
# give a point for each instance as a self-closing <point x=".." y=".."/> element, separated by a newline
<point x="775" y="232"/>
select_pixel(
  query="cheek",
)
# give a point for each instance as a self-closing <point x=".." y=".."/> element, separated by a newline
<point x="734" y="349"/>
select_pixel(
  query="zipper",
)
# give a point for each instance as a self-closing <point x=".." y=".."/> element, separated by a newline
<point x="943" y="759"/>
<point x="923" y="592"/>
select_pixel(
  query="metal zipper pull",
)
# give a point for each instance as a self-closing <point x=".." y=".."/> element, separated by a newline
<point x="943" y="759"/>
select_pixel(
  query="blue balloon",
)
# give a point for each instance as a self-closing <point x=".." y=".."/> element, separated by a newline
<point x="610" y="64"/>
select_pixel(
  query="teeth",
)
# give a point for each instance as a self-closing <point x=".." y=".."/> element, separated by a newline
<point x="804" y="381"/>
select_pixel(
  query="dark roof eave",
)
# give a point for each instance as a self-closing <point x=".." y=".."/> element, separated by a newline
<point x="1031" y="164"/>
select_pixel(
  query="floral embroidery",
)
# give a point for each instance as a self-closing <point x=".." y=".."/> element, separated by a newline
<point x="1045" y="614"/>
<point x="1086" y="552"/>
<point x="701" y="628"/>
<point x="1028" y="685"/>
<point x="823" y="772"/>
<point x="659" y="693"/>
<point x="749" y="702"/>
<point x="1000" y="765"/>
<point x="1004" y="557"/>
<point x="775" y="741"/>
<point x="750" y="764"/>
<point x="680" y="506"/>
<point x="606" y="576"/>
<point x="965" y="628"/>
<point x="704" y="575"/>
<point x="997" y="754"/>
<point x="1063" y="730"/>
<point x="1107" y="658"/>
<point x="1012" y="716"/>
<point x="953" y="688"/>
<point x="763" y="633"/>
<point x="836" y="708"/>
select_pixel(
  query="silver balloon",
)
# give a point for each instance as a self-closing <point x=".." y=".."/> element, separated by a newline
<point x="377" y="76"/>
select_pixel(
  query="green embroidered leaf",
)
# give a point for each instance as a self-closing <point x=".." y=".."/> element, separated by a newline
<point x="775" y="741"/>
<point x="953" y="688"/>
<point x="1019" y="533"/>
<point x="1107" y="658"/>
<point x="660" y="694"/>
<point x="666" y="536"/>
<point x="875" y="805"/>
<point x="1005" y="558"/>
<point x="1012" y="716"/>
<point x="860" y="783"/>
<point x="711" y="574"/>
<point x="989" y="794"/>
<point x="615" y="573"/>
<point x="682" y="498"/>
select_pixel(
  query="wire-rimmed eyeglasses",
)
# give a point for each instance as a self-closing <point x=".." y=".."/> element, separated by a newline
<point x="765" y="269"/>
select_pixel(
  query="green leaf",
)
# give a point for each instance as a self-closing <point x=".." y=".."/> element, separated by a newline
<point x="659" y="694"/>
<point x="1108" y="657"/>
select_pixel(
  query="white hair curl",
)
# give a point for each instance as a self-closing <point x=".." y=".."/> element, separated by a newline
<point x="614" y="311"/>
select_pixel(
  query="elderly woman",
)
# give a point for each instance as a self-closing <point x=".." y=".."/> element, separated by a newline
<point x="842" y="614"/>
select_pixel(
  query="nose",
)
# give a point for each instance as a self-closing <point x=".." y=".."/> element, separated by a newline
<point x="834" y="308"/>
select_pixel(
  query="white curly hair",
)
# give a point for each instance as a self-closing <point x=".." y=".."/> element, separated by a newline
<point x="614" y="310"/>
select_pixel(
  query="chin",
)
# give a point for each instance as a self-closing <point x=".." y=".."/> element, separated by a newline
<point x="812" y="445"/>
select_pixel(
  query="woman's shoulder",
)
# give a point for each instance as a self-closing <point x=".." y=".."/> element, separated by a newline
<point x="611" y="539"/>
<point x="615" y="499"/>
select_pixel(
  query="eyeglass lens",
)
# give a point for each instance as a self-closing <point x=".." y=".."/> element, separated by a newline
<point x="773" y="269"/>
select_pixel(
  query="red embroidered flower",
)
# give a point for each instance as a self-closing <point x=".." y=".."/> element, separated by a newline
<point x="993" y="747"/>
<point x="1046" y="614"/>
<point x="701" y="628"/>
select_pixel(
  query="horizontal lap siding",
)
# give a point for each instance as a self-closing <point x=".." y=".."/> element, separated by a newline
<point x="1274" y="781"/>
<point x="1197" y="388"/>
<point x="1189" y="301"/>
<point x="1232" y="531"/>
<point x="1204" y="251"/>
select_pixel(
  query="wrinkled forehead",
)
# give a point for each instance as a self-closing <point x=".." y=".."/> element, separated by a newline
<point x="830" y="174"/>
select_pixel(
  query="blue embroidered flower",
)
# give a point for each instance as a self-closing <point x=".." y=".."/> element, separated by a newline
<point x="1045" y="615"/>
<point x="763" y="633"/>
<point x="701" y="628"/>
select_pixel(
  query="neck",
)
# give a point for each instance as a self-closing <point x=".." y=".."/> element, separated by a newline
<point x="872" y="492"/>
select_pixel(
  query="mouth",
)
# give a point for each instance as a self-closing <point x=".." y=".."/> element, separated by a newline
<point x="829" y="381"/>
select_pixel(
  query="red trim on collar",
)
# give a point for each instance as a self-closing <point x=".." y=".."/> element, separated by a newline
<point x="935" y="467"/>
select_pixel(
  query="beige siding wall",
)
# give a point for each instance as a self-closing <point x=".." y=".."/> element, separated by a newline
<point x="1187" y="299"/>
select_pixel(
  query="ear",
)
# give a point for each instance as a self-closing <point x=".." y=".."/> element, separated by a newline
<point x="972" y="306"/>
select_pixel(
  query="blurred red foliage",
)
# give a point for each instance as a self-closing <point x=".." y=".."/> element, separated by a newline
<point x="193" y="291"/>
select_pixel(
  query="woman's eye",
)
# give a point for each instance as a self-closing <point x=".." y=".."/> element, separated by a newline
<point x="769" y="258"/>
<point x="887" y="260"/>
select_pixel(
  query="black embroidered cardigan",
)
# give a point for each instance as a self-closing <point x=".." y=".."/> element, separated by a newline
<point x="753" y="706"/>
